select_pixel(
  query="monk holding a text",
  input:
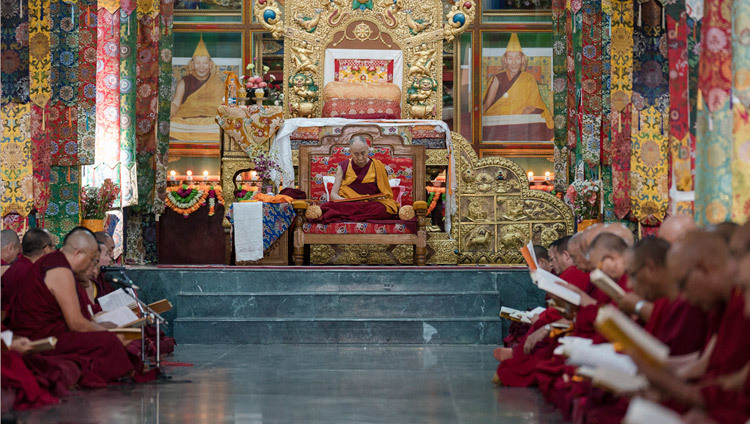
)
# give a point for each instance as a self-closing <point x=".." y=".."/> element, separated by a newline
<point x="360" y="177"/>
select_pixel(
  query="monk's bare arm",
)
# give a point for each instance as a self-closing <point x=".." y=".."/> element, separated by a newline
<point x="337" y="184"/>
<point x="491" y="93"/>
<point x="62" y="284"/>
<point x="177" y="99"/>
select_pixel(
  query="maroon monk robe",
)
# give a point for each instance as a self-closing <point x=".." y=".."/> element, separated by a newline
<point x="36" y="314"/>
<point x="14" y="278"/>
<point x="355" y="211"/>
<point x="17" y="378"/>
<point x="519" y="371"/>
<point x="680" y="325"/>
<point x="728" y="406"/>
<point x="102" y="286"/>
<point x="732" y="350"/>
<point x="554" y="378"/>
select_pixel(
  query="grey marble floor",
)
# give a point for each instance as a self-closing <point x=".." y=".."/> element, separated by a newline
<point x="266" y="384"/>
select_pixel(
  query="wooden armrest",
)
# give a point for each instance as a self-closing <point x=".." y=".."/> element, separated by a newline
<point x="420" y="205"/>
<point x="299" y="205"/>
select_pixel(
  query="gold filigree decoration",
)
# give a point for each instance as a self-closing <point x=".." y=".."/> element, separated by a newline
<point x="458" y="19"/>
<point x="520" y="214"/>
<point x="362" y="31"/>
<point x="270" y="17"/>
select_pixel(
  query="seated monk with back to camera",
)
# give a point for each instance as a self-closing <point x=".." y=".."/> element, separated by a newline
<point x="48" y="305"/>
<point x="35" y="244"/>
<point x="11" y="247"/>
<point x="357" y="177"/>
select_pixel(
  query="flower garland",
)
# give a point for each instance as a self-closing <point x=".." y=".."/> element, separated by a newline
<point x="244" y="194"/>
<point x="432" y="199"/>
<point x="186" y="200"/>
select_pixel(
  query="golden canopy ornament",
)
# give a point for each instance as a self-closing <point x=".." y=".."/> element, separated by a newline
<point x="313" y="29"/>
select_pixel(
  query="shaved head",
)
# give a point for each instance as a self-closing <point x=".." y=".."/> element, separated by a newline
<point x="724" y="229"/>
<point x="81" y="249"/>
<point x="576" y="252"/>
<point x="37" y="242"/>
<point x="11" y="245"/>
<point x="607" y="252"/>
<point x="109" y="247"/>
<point x="701" y="264"/>
<point x="676" y="226"/>
<point x="621" y="231"/>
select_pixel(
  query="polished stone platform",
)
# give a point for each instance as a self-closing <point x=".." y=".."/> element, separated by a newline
<point x="268" y="384"/>
<point x="378" y="305"/>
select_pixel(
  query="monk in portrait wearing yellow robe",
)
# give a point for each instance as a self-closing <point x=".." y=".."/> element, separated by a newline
<point x="357" y="177"/>
<point x="196" y="98"/>
<point x="514" y="91"/>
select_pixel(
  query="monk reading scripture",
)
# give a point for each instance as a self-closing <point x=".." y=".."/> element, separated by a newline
<point x="48" y="305"/>
<point x="357" y="177"/>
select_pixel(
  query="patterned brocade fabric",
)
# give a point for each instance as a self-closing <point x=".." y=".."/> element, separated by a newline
<point x="16" y="160"/>
<point x="713" y="179"/>
<point x="14" y="43"/>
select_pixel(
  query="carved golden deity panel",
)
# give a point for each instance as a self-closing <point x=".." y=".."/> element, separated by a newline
<point x="497" y="213"/>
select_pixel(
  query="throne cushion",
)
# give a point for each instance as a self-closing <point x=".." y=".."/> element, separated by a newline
<point x="397" y="167"/>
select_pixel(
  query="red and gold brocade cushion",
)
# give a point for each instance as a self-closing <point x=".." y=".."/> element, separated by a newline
<point x="362" y="109"/>
<point x="403" y="227"/>
<point x="363" y="70"/>
<point x="397" y="167"/>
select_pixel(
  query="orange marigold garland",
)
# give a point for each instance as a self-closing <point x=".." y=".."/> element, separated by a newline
<point x="185" y="199"/>
<point x="440" y="191"/>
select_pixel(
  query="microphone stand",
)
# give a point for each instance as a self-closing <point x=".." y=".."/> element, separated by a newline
<point x="151" y="315"/>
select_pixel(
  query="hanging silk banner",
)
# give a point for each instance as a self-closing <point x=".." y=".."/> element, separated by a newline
<point x="559" y="68"/>
<point x="128" y="169"/>
<point x="40" y="90"/>
<point x="64" y="52"/>
<point x="107" y="99"/>
<point x="608" y="212"/>
<point x="41" y="154"/>
<point x="741" y="108"/>
<point x="62" y="126"/>
<point x="14" y="43"/>
<point x="621" y="73"/>
<point x="694" y="48"/>
<point x="63" y="212"/>
<point x="110" y="6"/>
<point x="572" y="105"/>
<point x="591" y="82"/>
<point x="15" y="160"/>
<point x="606" y="101"/>
<point x="86" y="81"/>
<point x="649" y="165"/>
<point x="679" y="139"/>
<point x="713" y="178"/>
<point x="146" y="101"/>
<point x="165" y="101"/>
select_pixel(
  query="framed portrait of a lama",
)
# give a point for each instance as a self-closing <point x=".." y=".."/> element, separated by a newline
<point x="516" y="87"/>
<point x="198" y="65"/>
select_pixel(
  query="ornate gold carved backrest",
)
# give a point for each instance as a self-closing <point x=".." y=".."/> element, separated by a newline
<point x="497" y="213"/>
<point x="316" y="161"/>
<point x="416" y="27"/>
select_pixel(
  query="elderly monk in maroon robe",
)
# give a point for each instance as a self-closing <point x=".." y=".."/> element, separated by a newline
<point x="356" y="177"/>
<point x="657" y="301"/>
<point x="607" y="252"/>
<point x="48" y="305"/>
<point x="9" y="249"/>
<point x="701" y="263"/>
<point x="518" y="364"/>
<point x="35" y="244"/>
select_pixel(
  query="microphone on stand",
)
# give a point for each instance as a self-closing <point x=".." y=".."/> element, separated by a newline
<point x="123" y="280"/>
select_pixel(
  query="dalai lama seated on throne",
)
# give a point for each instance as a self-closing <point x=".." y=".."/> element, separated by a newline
<point x="361" y="191"/>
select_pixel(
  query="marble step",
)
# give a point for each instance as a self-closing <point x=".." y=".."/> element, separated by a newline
<point x="216" y="330"/>
<point x="327" y="280"/>
<point x="340" y="304"/>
